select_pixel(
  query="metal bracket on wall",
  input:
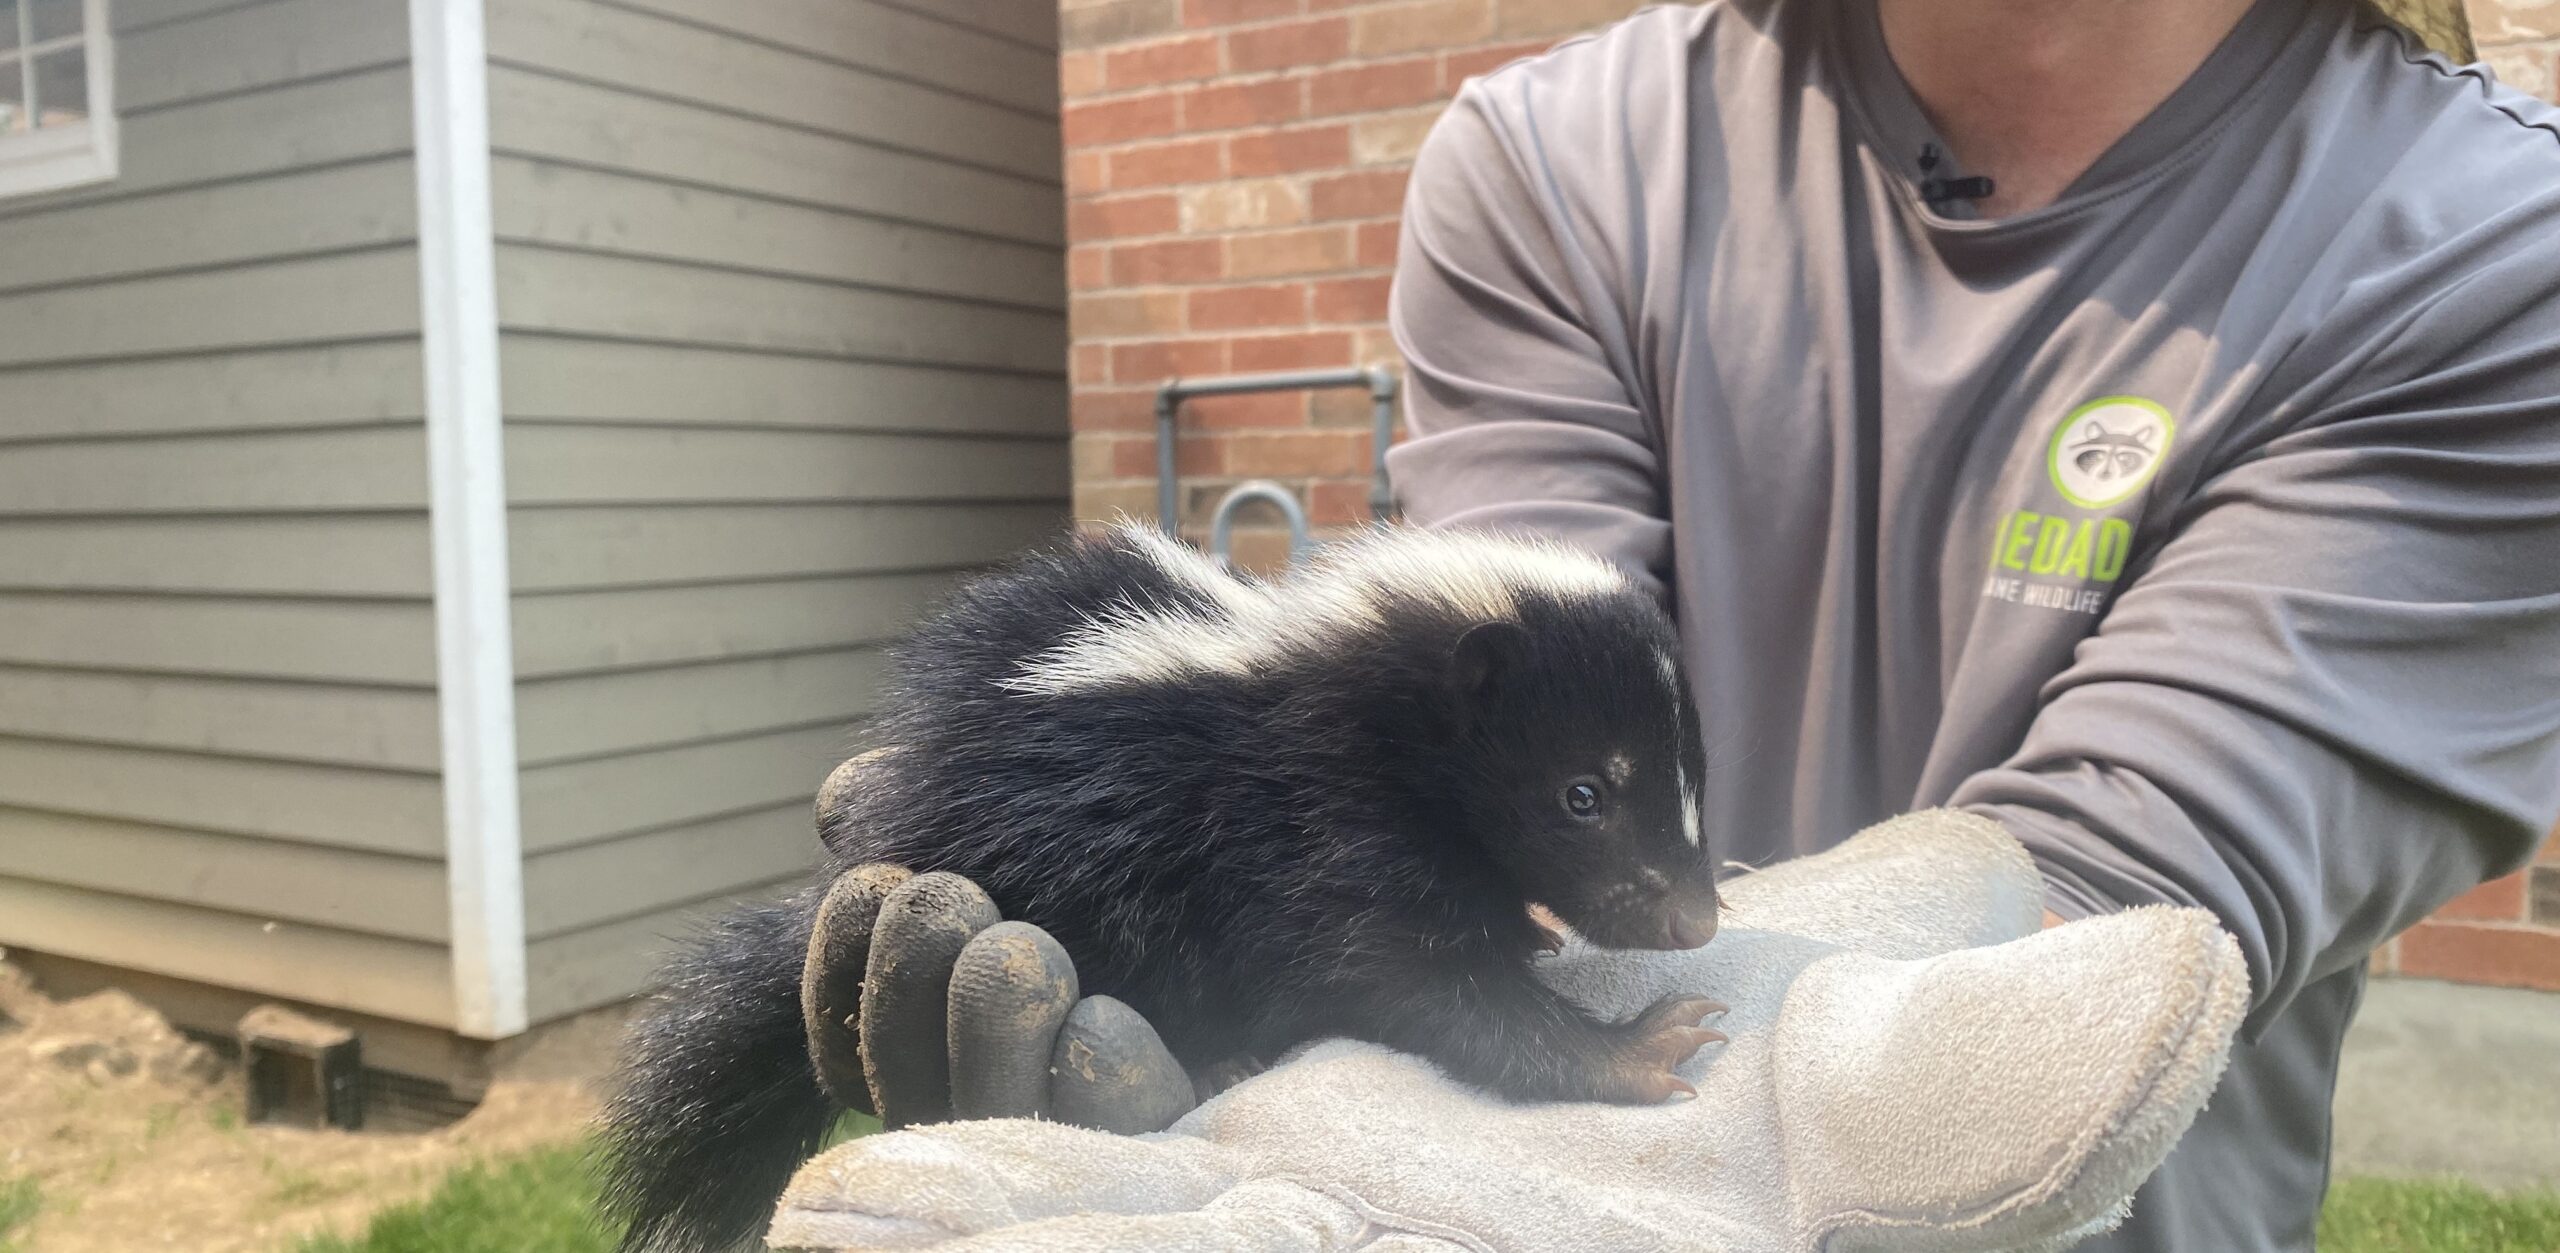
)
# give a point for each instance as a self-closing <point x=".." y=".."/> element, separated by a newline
<point x="1378" y="381"/>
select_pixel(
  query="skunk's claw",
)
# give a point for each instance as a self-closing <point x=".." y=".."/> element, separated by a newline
<point x="1656" y="1042"/>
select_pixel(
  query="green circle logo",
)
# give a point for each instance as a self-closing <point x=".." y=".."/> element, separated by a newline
<point x="2105" y="450"/>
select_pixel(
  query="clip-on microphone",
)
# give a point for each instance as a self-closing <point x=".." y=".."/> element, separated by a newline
<point x="1941" y="192"/>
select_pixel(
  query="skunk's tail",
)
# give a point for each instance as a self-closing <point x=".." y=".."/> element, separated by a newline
<point x="719" y="1102"/>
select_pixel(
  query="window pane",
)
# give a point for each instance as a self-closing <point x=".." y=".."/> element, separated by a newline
<point x="54" y="18"/>
<point x="13" y="100"/>
<point x="8" y="24"/>
<point x="62" y="88"/>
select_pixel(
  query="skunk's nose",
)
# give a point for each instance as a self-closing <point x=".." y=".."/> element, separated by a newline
<point x="1691" y="919"/>
<point x="1691" y="928"/>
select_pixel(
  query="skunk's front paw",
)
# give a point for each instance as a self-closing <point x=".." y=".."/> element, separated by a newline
<point x="1651" y="1047"/>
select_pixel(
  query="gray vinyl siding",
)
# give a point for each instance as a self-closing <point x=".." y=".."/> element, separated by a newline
<point x="781" y="298"/>
<point x="218" y="732"/>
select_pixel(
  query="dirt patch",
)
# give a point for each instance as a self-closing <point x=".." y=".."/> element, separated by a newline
<point x="132" y="1133"/>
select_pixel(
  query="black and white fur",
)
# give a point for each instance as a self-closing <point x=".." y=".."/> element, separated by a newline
<point x="1261" y="814"/>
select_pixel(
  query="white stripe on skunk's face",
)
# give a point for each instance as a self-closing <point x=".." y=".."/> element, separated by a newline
<point x="1329" y="603"/>
<point x="1689" y="823"/>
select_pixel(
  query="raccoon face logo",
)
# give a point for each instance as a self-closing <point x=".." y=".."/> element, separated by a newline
<point x="2104" y="451"/>
<point x="2103" y="454"/>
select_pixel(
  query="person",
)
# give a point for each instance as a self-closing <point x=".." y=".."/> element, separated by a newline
<point x="2139" y="424"/>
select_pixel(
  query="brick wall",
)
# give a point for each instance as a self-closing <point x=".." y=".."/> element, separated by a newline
<point x="2520" y="39"/>
<point x="1234" y="169"/>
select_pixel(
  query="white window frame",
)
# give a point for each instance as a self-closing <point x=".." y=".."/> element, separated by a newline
<point x="55" y="157"/>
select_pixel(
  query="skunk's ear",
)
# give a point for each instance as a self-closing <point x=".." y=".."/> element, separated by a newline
<point x="1487" y="653"/>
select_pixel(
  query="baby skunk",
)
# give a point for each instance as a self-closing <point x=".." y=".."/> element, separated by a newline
<point x="1260" y="814"/>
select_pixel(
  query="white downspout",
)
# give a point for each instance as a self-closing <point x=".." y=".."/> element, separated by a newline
<point x="467" y="514"/>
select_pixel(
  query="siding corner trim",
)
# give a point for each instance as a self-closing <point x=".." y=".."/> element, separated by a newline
<point x="467" y="515"/>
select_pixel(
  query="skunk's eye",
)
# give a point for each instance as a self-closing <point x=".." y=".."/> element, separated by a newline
<point x="1583" y="799"/>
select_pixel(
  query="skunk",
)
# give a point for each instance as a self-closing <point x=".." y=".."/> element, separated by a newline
<point x="1259" y="813"/>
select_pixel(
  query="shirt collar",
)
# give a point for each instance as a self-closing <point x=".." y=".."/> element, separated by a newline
<point x="2270" y="54"/>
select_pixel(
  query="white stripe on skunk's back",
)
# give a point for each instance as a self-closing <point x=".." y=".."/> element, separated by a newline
<point x="1342" y="593"/>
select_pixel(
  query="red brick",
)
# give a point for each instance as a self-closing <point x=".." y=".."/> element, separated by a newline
<point x="2498" y="900"/>
<point x="1231" y="106"/>
<point x="1340" y="407"/>
<point x="1088" y="266"/>
<point x="1153" y="363"/>
<point x="1120" y="119"/>
<point x="2544" y="909"/>
<point x="1117" y="22"/>
<point x="2513" y="21"/>
<point x="1124" y="217"/>
<point x="1289" y="45"/>
<point x="1112" y="409"/>
<point x="1234" y="308"/>
<point x="2518" y="957"/>
<point x="1242" y="204"/>
<point x="1089" y="457"/>
<point x="1524" y="18"/>
<point x="1088" y="365"/>
<point x="1158" y="165"/>
<point x="1238" y="12"/>
<point x="1172" y="261"/>
<point x="1377" y="246"/>
<point x="1171" y="61"/>
<point x="1259" y="550"/>
<point x="1079" y="74"/>
<point x="2532" y="68"/>
<point x="1290" y="151"/>
<point x="1304" y="351"/>
<point x="1457" y="67"/>
<point x="1193" y="454"/>
<point x="1290" y="454"/>
<point x="1125" y="315"/>
<point x="1338" y="502"/>
<point x="1350" y="299"/>
<point x="1375" y="345"/>
<point x="1235" y="413"/>
<point x="1086" y="172"/>
<point x="1100" y="503"/>
<point x="1367" y="88"/>
<point x="2550" y="854"/>
<point x="1314" y="250"/>
<point x="1420" y="24"/>
<point x="1367" y="194"/>
<point x="1391" y="138"/>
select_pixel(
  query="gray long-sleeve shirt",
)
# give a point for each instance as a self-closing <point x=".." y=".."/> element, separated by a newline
<point x="2202" y="526"/>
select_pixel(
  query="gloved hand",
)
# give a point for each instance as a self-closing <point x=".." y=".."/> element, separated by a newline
<point x="923" y="1006"/>
<point x="1915" y="1065"/>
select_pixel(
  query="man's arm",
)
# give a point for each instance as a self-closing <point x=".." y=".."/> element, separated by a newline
<point x="1517" y="363"/>
<point x="2331" y="701"/>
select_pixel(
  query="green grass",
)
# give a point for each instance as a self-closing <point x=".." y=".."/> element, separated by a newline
<point x="20" y="1198"/>
<point x="541" y="1202"/>
<point x="2436" y="1216"/>
<point x="544" y="1202"/>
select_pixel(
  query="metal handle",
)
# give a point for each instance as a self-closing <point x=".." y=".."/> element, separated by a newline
<point x="1378" y="380"/>
<point x="1222" y="521"/>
